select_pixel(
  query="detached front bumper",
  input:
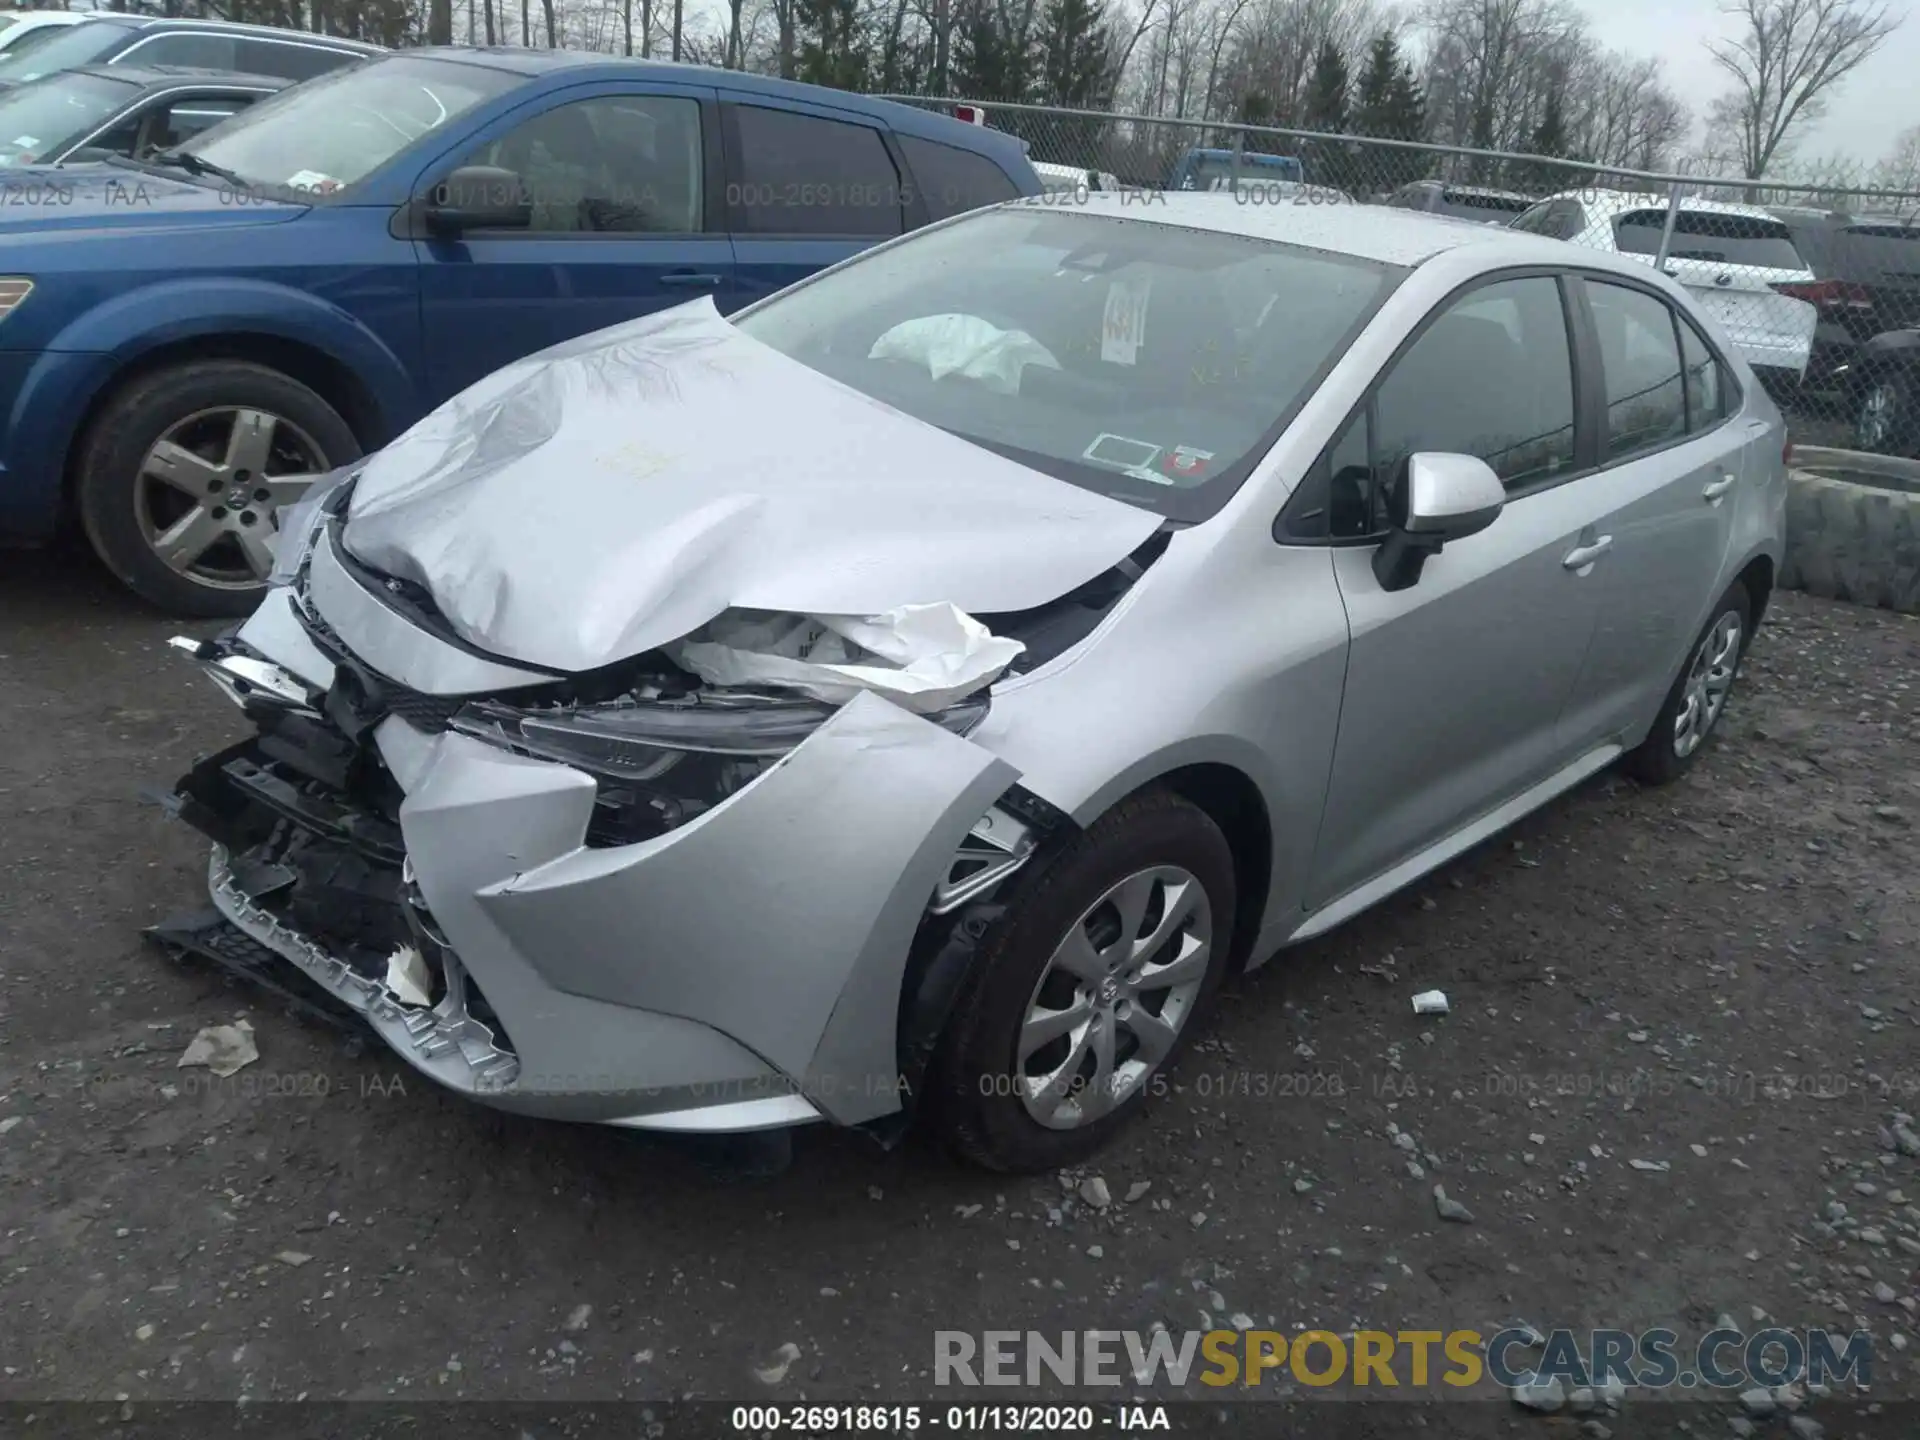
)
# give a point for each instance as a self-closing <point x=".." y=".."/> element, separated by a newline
<point x="748" y="969"/>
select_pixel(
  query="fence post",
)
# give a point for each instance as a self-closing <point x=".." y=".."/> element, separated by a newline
<point x="1666" y="231"/>
<point x="1239" y="145"/>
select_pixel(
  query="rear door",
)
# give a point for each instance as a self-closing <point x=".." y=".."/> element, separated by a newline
<point x="806" y="187"/>
<point x="625" y="222"/>
<point x="1668" y="489"/>
<point x="1732" y="263"/>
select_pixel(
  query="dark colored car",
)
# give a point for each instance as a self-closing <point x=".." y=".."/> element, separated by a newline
<point x="1465" y="202"/>
<point x="101" y="110"/>
<point x="1866" y="288"/>
<point x="187" y="339"/>
<point x="198" y="44"/>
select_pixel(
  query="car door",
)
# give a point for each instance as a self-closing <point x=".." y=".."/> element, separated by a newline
<point x="1671" y="464"/>
<point x="807" y="186"/>
<point x="1455" y="685"/>
<point x="625" y="221"/>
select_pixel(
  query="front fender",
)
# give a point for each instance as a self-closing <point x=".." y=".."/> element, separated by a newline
<point x="164" y="313"/>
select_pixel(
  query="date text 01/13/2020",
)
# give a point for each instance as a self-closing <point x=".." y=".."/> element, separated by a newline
<point x="771" y="1420"/>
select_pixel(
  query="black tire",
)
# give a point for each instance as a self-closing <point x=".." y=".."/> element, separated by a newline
<point x="1884" y="419"/>
<point x="972" y="1104"/>
<point x="1658" y="760"/>
<point x="109" y="486"/>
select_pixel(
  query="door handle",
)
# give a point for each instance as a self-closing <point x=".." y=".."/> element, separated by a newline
<point x="1712" y="491"/>
<point x="690" y="280"/>
<point x="1581" y="556"/>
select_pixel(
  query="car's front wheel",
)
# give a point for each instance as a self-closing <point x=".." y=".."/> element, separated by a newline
<point x="1088" y="987"/>
<point x="182" y="478"/>
<point x="1884" y="423"/>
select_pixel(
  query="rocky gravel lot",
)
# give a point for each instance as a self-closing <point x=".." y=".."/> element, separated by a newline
<point x="1675" y="1088"/>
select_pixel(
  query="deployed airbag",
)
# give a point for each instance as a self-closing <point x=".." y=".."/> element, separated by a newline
<point x="965" y="345"/>
<point x="923" y="657"/>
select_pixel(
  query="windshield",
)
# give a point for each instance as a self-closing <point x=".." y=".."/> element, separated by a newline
<point x="324" y="135"/>
<point x="63" y="49"/>
<point x="1148" y="362"/>
<point x="41" y="119"/>
<point x="1711" y="235"/>
<point x="1215" y="172"/>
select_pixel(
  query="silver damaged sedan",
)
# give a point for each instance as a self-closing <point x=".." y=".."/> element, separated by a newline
<point x="912" y="695"/>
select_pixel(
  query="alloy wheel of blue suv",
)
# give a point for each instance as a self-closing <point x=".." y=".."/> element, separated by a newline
<point x="184" y="474"/>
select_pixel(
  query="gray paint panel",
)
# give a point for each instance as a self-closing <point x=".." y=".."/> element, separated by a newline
<point x="782" y="917"/>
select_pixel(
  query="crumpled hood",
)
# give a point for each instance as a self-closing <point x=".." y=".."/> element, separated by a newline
<point x="615" y="492"/>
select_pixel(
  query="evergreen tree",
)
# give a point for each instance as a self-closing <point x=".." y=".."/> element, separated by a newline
<point x="1388" y="104"/>
<point x="993" y="62"/>
<point x="1079" y="65"/>
<point x="832" y="51"/>
<point x="1326" y="111"/>
<point x="1549" y="139"/>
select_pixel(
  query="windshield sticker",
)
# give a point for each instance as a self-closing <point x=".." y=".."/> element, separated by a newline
<point x="1121" y="452"/>
<point x="312" y="180"/>
<point x="1183" y="462"/>
<point x="1124" y="328"/>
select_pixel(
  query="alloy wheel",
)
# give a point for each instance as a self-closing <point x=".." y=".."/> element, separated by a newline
<point x="211" y="488"/>
<point x="1114" y="997"/>
<point x="1709" y="678"/>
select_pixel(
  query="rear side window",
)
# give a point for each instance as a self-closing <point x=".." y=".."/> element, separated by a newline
<point x="202" y="51"/>
<point x="794" y="174"/>
<point x="1479" y="200"/>
<point x="952" y="180"/>
<point x="293" y="62"/>
<point x="1646" y="402"/>
<point x="1709" y="235"/>
<point x="1706" y="385"/>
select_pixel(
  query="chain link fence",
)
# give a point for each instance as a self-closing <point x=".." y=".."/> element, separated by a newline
<point x="1818" y="286"/>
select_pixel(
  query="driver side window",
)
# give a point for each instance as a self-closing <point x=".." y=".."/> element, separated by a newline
<point x="622" y="163"/>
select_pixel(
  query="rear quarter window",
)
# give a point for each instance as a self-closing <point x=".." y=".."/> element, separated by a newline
<point x="954" y="181"/>
<point x="796" y="174"/>
<point x="289" y="61"/>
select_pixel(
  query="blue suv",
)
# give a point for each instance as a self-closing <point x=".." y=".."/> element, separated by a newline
<point x="186" y="340"/>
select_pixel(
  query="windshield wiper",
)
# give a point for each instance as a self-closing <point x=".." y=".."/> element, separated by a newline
<point x="194" y="165"/>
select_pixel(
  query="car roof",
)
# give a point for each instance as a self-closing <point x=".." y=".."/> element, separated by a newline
<point x="155" y="76"/>
<point x="163" y="24"/>
<point x="1628" y="199"/>
<point x="1381" y="233"/>
<point x="903" y="119"/>
<point x="51" y="17"/>
<point x="1452" y="189"/>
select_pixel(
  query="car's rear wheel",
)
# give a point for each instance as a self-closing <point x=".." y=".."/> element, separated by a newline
<point x="182" y="478"/>
<point x="1699" y="695"/>
<point x="1884" y="423"/>
<point x="1089" y="987"/>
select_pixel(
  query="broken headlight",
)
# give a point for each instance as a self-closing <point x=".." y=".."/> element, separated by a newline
<point x="660" y="763"/>
<point x="299" y="525"/>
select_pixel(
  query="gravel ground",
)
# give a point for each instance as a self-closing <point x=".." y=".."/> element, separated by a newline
<point x="1716" y="981"/>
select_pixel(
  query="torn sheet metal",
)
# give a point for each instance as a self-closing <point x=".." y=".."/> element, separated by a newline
<point x="618" y="491"/>
<point x="922" y="657"/>
<point x="967" y="346"/>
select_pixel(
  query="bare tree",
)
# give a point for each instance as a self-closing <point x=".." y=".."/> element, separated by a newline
<point x="553" y="39"/>
<point x="679" y="11"/>
<point x="440" y="22"/>
<point x="1788" y="59"/>
<point x="1899" y="168"/>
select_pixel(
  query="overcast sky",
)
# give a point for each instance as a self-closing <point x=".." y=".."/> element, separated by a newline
<point x="1873" y="104"/>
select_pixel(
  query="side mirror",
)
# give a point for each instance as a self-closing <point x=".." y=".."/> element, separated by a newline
<point x="478" y="197"/>
<point x="1445" y="497"/>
